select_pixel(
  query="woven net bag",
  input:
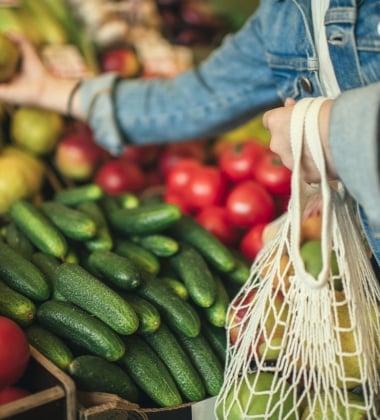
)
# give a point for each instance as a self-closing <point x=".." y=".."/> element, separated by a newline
<point x="303" y="346"/>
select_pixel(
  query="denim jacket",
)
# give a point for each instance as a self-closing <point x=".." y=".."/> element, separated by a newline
<point x="271" y="58"/>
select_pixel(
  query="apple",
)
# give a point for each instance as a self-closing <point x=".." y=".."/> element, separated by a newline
<point x="77" y="156"/>
<point x="145" y="155"/>
<point x="12" y="393"/>
<point x="120" y="59"/>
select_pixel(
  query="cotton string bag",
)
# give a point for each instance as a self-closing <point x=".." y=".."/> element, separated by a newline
<point x="303" y="346"/>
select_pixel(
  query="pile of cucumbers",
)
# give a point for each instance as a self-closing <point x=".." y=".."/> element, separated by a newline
<point x="128" y="296"/>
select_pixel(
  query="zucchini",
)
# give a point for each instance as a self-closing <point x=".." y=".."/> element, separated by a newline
<point x="50" y="345"/>
<point x="43" y="234"/>
<point x="74" y="223"/>
<point x="148" y="314"/>
<point x="16" y="306"/>
<point x="179" y="314"/>
<point x="21" y="275"/>
<point x="80" y="287"/>
<point x="143" y="258"/>
<point x="94" y="374"/>
<point x="145" y="219"/>
<point x="115" y="269"/>
<point x="193" y="270"/>
<point x="149" y="372"/>
<point x="213" y="250"/>
<point x="216" y="314"/>
<point x="81" y="328"/>
<point x="188" y="380"/>
<point x="72" y="196"/>
<point x="205" y="360"/>
<point x="159" y="244"/>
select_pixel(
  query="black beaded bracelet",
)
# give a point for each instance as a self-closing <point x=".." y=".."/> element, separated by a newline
<point x="71" y="98"/>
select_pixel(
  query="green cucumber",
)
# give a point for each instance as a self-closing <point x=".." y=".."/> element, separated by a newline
<point x="143" y="258"/>
<point x="128" y="200"/>
<point x="38" y="228"/>
<point x="159" y="244"/>
<point x="148" y="371"/>
<point x="179" y="314"/>
<point x="81" y="328"/>
<point x="145" y="219"/>
<point x="50" y="345"/>
<point x="241" y="272"/>
<point x="213" y="250"/>
<point x="193" y="270"/>
<point x="16" y="306"/>
<point x="80" y="287"/>
<point x="74" y="223"/>
<point x="115" y="269"/>
<point x="176" y="285"/>
<point x="17" y="240"/>
<point x="216" y="314"/>
<point x="21" y="275"/>
<point x="47" y="264"/>
<point x="148" y="314"/>
<point x="188" y="380"/>
<point x="217" y="337"/>
<point x="73" y="196"/>
<point x="205" y="360"/>
<point x="94" y="374"/>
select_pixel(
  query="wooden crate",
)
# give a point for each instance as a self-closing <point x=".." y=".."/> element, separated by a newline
<point x="53" y="393"/>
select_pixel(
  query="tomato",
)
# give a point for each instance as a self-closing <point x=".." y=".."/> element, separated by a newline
<point x="237" y="160"/>
<point x="179" y="174"/>
<point x="14" y="352"/>
<point x="12" y="393"/>
<point x="252" y="241"/>
<point x="144" y="155"/>
<point x="215" y="220"/>
<point x="206" y="187"/>
<point x="249" y="203"/>
<point x="120" y="175"/>
<point x="175" y="198"/>
<point x="273" y="174"/>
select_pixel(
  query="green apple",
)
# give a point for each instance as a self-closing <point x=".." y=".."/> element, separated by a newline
<point x="311" y="254"/>
<point x="267" y="396"/>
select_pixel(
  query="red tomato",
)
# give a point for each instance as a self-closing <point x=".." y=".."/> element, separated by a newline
<point x="237" y="160"/>
<point x="12" y="393"/>
<point x="206" y="187"/>
<point x="120" y="175"/>
<point x="144" y="155"/>
<point x="175" y="198"/>
<point x="179" y="174"/>
<point x="14" y="352"/>
<point x="252" y="241"/>
<point x="215" y="220"/>
<point x="273" y="174"/>
<point x="249" y="203"/>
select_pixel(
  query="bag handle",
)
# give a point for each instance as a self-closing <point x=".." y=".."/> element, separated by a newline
<point x="304" y="125"/>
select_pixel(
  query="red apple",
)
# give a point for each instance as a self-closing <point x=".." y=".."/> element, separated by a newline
<point x="12" y="393"/>
<point x="122" y="60"/>
<point x="77" y="156"/>
<point x="145" y="155"/>
<point x="120" y="175"/>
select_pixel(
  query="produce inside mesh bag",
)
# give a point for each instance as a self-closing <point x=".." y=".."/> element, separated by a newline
<point x="305" y="344"/>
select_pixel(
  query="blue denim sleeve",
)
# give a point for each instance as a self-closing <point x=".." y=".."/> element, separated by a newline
<point x="232" y="85"/>
<point x="354" y="143"/>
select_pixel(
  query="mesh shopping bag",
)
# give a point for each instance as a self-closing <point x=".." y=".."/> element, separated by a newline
<point x="303" y="345"/>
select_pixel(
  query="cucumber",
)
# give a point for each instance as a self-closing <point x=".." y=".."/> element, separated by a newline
<point x="16" y="306"/>
<point x="109" y="204"/>
<point x="193" y="270"/>
<point x="47" y="264"/>
<point x="94" y="374"/>
<point x="17" y="240"/>
<point x="217" y="337"/>
<point x="102" y="241"/>
<point x="145" y="219"/>
<point x="159" y="244"/>
<point x="38" y="228"/>
<point x="148" y="314"/>
<point x="241" y="272"/>
<point x="50" y="345"/>
<point x="128" y="200"/>
<point x="81" y="328"/>
<point x="115" y="269"/>
<point x="143" y="258"/>
<point x="73" y="196"/>
<point x="74" y="223"/>
<point x="177" y="286"/>
<point x="149" y="372"/>
<point x="216" y="314"/>
<point x="179" y="314"/>
<point x="205" y="360"/>
<point x="80" y="287"/>
<point x="21" y="275"/>
<point x="213" y="250"/>
<point x="188" y="380"/>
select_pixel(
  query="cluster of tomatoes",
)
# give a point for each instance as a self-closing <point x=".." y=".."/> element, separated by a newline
<point x="235" y="195"/>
